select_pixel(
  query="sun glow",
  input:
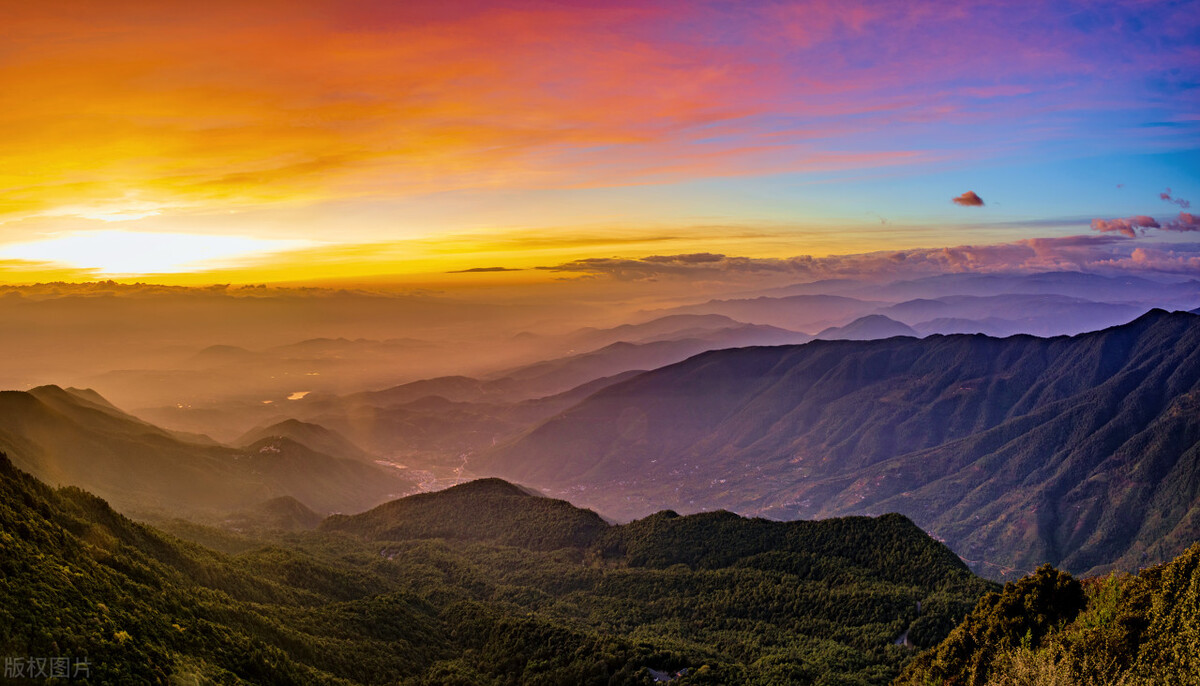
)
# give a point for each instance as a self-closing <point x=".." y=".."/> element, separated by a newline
<point x="126" y="253"/>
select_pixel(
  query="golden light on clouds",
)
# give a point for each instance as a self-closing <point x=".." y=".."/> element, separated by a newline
<point x="371" y="123"/>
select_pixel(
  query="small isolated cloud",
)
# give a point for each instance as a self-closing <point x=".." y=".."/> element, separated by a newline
<point x="477" y="270"/>
<point x="1166" y="195"/>
<point x="1186" y="221"/>
<point x="968" y="199"/>
<point x="1127" y="226"/>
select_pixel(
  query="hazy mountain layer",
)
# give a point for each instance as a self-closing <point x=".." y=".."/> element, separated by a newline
<point x="1083" y="451"/>
<point x="312" y="436"/>
<point x="868" y="328"/>
<point x="71" y="437"/>
<point x="809" y="312"/>
<point x="1040" y="315"/>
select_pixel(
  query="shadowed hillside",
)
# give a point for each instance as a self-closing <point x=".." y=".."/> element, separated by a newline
<point x="1049" y="628"/>
<point x="312" y="436"/>
<point x="1079" y="451"/>
<point x="489" y="510"/>
<point x="75" y="438"/>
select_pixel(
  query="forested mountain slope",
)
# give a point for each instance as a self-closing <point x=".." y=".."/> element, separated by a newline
<point x="1049" y="628"/>
<point x="1081" y="451"/>
<point x="742" y="601"/>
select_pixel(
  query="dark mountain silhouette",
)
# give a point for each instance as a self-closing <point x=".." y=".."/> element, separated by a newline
<point x="1082" y="451"/>
<point x="490" y="510"/>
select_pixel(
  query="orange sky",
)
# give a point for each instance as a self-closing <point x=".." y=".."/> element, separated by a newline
<point x="323" y="139"/>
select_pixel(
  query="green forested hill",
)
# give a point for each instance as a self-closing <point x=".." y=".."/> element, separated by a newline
<point x="487" y="510"/>
<point x="1081" y="451"/>
<point x="1050" y="628"/>
<point x="79" y="580"/>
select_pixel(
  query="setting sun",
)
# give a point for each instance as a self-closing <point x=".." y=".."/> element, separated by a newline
<point x="124" y="253"/>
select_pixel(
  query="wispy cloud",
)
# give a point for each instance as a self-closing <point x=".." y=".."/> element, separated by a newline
<point x="1166" y="195"/>
<point x="482" y="270"/>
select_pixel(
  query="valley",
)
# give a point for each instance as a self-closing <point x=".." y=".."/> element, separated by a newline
<point x="688" y="498"/>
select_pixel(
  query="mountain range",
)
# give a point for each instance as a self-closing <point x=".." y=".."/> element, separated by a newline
<point x="1081" y="451"/>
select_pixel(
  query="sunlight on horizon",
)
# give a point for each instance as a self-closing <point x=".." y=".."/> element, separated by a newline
<point x="118" y="253"/>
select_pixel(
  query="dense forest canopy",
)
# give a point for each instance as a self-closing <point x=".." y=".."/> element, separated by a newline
<point x="708" y="599"/>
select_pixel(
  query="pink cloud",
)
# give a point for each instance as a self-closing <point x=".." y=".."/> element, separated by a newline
<point x="1127" y="227"/>
<point x="1185" y="222"/>
<point x="1166" y="195"/>
<point x="1151" y="259"/>
<point x="968" y="199"/>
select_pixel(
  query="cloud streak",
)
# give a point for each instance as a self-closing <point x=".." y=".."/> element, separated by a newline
<point x="1071" y="253"/>
<point x="189" y="105"/>
<point x="483" y="270"/>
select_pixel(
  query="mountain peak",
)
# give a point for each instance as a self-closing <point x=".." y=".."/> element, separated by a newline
<point x="489" y="486"/>
<point x="486" y="510"/>
<point x="869" y="327"/>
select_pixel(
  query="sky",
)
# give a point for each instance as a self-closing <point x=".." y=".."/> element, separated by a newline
<point x="500" y="142"/>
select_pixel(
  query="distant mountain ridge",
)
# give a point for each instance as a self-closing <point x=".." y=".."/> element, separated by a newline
<point x="1045" y="304"/>
<point x="1081" y="451"/>
<point x="868" y="328"/>
<point x="312" y="436"/>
